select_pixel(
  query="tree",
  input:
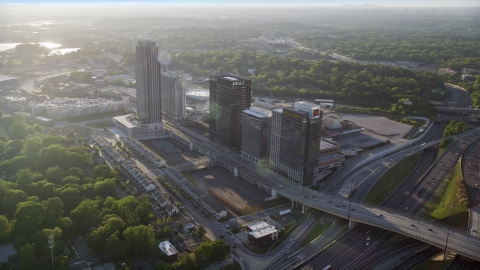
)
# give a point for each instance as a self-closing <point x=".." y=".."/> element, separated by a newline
<point x="74" y="171"/>
<point x="18" y="130"/>
<point x="4" y="229"/>
<point x="53" y="210"/>
<point x="26" y="257"/>
<point x="70" y="179"/>
<point x="54" y="175"/>
<point x="86" y="213"/>
<point x="10" y="200"/>
<point x="161" y="265"/>
<point x="65" y="223"/>
<point x="71" y="197"/>
<point x="52" y="155"/>
<point x="105" y="188"/>
<point x="114" y="248"/>
<point x="139" y="240"/>
<point x="167" y="230"/>
<point x="104" y="171"/>
<point x="28" y="217"/>
<point x="201" y="231"/>
<point x="26" y="176"/>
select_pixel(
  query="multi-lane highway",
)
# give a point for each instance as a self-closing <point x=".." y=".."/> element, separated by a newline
<point x="471" y="174"/>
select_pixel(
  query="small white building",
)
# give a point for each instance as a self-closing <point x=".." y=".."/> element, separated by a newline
<point x="168" y="249"/>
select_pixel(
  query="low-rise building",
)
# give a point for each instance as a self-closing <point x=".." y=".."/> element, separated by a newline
<point x="467" y="78"/>
<point x="148" y="154"/>
<point x="13" y="103"/>
<point x="65" y="108"/>
<point x="117" y="91"/>
<point x="169" y="250"/>
<point x="446" y="71"/>
<point x="129" y="125"/>
<point x="260" y="233"/>
<point x="328" y="148"/>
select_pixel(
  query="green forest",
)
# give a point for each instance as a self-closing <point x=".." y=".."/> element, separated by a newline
<point x="443" y="49"/>
<point x="372" y="86"/>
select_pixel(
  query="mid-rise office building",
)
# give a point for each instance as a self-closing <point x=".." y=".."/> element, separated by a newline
<point x="229" y="97"/>
<point x="147" y="75"/>
<point x="256" y="133"/>
<point x="295" y="141"/>
<point x="173" y="91"/>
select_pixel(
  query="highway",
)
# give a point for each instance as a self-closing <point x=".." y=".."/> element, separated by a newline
<point x="471" y="174"/>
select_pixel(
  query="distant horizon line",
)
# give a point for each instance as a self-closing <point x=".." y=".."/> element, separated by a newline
<point x="125" y="3"/>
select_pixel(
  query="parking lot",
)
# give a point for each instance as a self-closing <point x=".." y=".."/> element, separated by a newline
<point x="232" y="192"/>
<point x="173" y="150"/>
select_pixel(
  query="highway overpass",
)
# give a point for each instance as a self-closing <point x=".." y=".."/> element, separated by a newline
<point x="458" y="242"/>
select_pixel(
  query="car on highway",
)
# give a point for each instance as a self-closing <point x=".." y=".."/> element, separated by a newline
<point x="368" y="238"/>
<point x="366" y="244"/>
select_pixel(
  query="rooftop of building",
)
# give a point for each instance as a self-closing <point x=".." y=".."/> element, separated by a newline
<point x="326" y="144"/>
<point x="263" y="231"/>
<point x="168" y="248"/>
<point x="258" y="225"/>
<point x="329" y="157"/>
<point x="258" y="112"/>
<point x="127" y="120"/>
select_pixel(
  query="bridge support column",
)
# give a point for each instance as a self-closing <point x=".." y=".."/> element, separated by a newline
<point x="171" y="134"/>
<point x="303" y="208"/>
<point x="191" y="145"/>
<point x="292" y="205"/>
<point x="235" y="171"/>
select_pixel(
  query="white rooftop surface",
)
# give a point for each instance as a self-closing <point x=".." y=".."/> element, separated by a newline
<point x="125" y="121"/>
<point x="198" y="92"/>
<point x="325" y="144"/>
<point x="258" y="112"/>
<point x="230" y="79"/>
<point x="168" y="248"/>
<point x="262" y="232"/>
<point x="258" y="225"/>
<point x="117" y="132"/>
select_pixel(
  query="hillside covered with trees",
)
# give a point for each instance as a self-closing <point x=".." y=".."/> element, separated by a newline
<point x="365" y="85"/>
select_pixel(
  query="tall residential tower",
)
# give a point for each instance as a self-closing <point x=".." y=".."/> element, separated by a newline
<point x="147" y="75"/>
<point x="173" y="87"/>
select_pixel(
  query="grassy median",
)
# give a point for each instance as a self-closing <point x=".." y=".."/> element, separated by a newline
<point x="392" y="179"/>
<point x="443" y="148"/>
<point x="438" y="207"/>
<point x="317" y="230"/>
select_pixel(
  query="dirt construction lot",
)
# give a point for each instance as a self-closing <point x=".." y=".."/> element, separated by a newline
<point x="232" y="192"/>
<point x="173" y="150"/>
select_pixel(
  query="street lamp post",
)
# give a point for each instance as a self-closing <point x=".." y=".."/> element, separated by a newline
<point x="350" y="204"/>
<point x="51" y="243"/>
<point x="448" y="234"/>
<point x="235" y="246"/>
<point x="443" y="203"/>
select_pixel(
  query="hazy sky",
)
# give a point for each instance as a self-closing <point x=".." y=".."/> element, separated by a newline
<point x="409" y="3"/>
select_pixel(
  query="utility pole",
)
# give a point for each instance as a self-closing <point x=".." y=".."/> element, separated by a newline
<point x="350" y="204"/>
<point x="51" y="243"/>
<point x="235" y="245"/>
<point x="448" y="234"/>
